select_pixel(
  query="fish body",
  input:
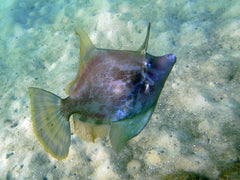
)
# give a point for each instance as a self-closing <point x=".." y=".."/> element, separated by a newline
<point x="115" y="92"/>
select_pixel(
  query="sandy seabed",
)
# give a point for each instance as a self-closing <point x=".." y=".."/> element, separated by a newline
<point x="195" y="129"/>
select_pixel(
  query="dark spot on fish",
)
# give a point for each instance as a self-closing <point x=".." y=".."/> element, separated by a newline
<point x="45" y="178"/>
<point x="9" y="154"/>
<point x="22" y="165"/>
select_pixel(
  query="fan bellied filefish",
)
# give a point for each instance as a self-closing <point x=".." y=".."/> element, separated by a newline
<point x="115" y="93"/>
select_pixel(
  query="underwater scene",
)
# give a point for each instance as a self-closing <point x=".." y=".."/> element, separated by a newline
<point x="99" y="128"/>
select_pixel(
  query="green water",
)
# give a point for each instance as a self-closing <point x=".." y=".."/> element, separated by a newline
<point x="195" y="129"/>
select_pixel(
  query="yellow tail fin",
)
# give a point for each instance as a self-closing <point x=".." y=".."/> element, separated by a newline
<point x="51" y="127"/>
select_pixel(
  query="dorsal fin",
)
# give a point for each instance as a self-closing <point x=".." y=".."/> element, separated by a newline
<point x="86" y="46"/>
<point x="143" y="48"/>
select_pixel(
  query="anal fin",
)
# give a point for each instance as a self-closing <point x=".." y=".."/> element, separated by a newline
<point x="89" y="131"/>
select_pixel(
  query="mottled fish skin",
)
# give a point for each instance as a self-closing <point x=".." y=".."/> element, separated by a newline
<point x="118" y="84"/>
<point x="106" y="89"/>
<point x="115" y="93"/>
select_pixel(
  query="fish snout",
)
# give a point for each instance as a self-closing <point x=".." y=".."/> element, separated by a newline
<point x="171" y="58"/>
<point x="160" y="66"/>
<point x="164" y="63"/>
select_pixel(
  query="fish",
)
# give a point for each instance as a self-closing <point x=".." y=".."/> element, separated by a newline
<point x="114" y="94"/>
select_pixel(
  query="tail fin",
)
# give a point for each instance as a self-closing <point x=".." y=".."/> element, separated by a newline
<point x="51" y="127"/>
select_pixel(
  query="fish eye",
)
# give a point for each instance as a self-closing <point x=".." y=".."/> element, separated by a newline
<point x="149" y="65"/>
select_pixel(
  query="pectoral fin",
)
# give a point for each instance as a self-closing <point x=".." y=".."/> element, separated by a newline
<point x="122" y="131"/>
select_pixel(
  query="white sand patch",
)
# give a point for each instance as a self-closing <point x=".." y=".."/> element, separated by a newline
<point x="18" y="30"/>
<point x="169" y="142"/>
<point x="101" y="162"/>
<point x="124" y="7"/>
<point x="193" y="100"/>
<point x="162" y="43"/>
<point x="153" y="158"/>
<point x="104" y="171"/>
<point x="3" y="159"/>
<point x="166" y="149"/>
<point x="198" y="163"/>
<point x="232" y="11"/>
<point x="134" y="167"/>
<point x="232" y="29"/>
<point x="27" y="127"/>
<point x="192" y="35"/>
<point x="100" y="5"/>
